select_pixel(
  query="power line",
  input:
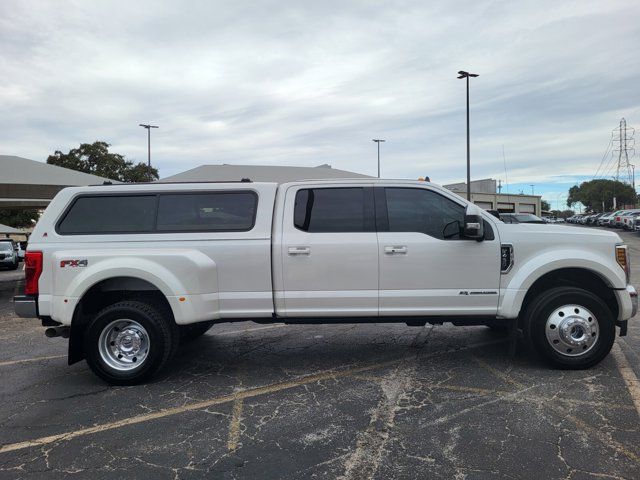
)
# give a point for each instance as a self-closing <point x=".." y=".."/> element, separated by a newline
<point x="606" y="154"/>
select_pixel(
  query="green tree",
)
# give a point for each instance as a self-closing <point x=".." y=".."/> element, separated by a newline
<point x="544" y="205"/>
<point x="95" y="158"/>
<point x="593" y="193"/>
<point x="19" y="218"/>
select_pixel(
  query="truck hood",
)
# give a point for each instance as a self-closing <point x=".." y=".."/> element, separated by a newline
<point x="555" y="234"/>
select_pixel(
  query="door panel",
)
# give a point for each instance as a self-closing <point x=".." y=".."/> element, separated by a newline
<point x="329" y="252"/>
<point x="421" y="272"/>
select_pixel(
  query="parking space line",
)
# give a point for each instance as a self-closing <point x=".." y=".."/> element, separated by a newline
<point x="234" y="425"/>
<point x="233" y="437"/>
<point x="243" y="394"/>
<point x="628" y="375"/>
<point x="27" y="360"/>
<point x="249" y="393"/>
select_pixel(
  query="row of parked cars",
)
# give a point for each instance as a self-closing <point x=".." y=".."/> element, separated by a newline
<point x="626" y="219"/>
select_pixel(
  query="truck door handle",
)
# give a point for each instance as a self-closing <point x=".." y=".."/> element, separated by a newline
<point x="299" y="251"/>
<point x="395" y="249"/>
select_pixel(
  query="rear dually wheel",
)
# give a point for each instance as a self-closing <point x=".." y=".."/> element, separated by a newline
<point x="128" y="342"/>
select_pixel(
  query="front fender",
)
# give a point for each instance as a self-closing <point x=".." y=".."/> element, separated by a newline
<point x="523" y="276"/>
<point x="183" y="274"/>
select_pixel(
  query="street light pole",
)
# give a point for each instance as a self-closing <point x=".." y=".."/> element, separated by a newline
<point x="463" y="74"/>
<point x="532" y="191"/>
<point x="148" y="127"/>
<point x="378" y="140"/>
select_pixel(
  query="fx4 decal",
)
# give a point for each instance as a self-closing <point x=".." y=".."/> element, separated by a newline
<point x="73" y="263"/>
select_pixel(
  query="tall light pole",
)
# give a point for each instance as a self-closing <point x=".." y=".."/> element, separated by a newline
<point x="378" y="140"/>
<point x="148" y="127"/>
<point x="463" y="74"/>
<point x="532" y="191"/>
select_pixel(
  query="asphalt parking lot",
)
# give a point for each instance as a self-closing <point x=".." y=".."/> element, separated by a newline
<point x="346" y="401"/>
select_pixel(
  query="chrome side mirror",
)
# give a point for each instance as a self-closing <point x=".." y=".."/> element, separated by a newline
<point x="473" y="223"/>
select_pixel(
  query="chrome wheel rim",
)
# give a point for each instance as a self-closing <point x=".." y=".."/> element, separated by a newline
<point x="124" y="344"/>
<point x="572" y="330"/>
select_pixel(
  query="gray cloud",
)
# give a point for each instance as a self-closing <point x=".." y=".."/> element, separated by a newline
<point x="304" y="83"/>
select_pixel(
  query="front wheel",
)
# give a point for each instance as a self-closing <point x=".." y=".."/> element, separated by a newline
<point x="570" y="327"/>
<point x="128" y="342"/>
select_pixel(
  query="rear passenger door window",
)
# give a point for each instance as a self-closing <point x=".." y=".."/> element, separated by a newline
<point x="206" y="212"/>
<point x="332" y="210"/>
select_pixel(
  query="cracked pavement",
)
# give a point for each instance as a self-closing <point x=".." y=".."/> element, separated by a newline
<point x="328" y="401"/>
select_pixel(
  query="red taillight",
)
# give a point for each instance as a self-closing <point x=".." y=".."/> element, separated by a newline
<point x="32" y="271"/>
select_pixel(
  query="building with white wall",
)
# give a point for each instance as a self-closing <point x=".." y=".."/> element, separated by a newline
<point x="484" y="193"/>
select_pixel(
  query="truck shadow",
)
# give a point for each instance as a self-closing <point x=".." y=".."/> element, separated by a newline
<point x="301" y="350"/>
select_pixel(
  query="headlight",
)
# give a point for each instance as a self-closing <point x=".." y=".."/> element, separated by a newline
<point x="622" y="257"/>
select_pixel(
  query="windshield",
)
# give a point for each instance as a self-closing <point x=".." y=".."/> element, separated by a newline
<point x="5" y="247"/>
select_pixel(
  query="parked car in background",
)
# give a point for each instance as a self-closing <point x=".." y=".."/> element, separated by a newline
<point x="617" y="219"/>
<point x="586" y="219"/>
<point x="8" y="255"/>
<point x="612" y="218"/>
<point x="605" y="219"/>
<point x="628" y="219"/>
<point x="593" y="219"/>
<point x="520" y="218"/>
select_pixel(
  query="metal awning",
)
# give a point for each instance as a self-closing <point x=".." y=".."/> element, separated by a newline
<point x="26" y="183"/>
<point x="7" y="230"/>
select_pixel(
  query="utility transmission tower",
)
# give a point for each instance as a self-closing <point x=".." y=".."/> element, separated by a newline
<point x="624" y="143"/>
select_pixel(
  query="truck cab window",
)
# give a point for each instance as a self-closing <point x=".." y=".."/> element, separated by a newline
<point x="424" y="211"/>
<point x="325" y="210"/>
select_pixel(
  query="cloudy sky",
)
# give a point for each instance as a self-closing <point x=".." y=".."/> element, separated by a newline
<point x="305" y="83"/>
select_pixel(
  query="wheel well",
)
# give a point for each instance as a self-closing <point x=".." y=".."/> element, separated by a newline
<point x="108" y="292"/>
<point x="573" y="277"/>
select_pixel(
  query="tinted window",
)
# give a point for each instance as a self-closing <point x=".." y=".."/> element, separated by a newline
<point x="528" y="218"/>
<point x="223" y="211"/>
<point x="424" y="211"/>
<point x="322" y="210"/>
<point x="110" y="214"/>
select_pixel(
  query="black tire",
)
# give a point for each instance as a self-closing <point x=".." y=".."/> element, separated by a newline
<point x="161" y="330"/>
<point x="192" y="331"/>
<point x="541" y="309"/>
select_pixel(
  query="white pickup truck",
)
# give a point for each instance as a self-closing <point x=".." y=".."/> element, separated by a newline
<point x="128" y="272"/>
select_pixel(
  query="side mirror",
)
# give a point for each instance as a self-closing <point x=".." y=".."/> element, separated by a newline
<point x="473" y="223"/>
